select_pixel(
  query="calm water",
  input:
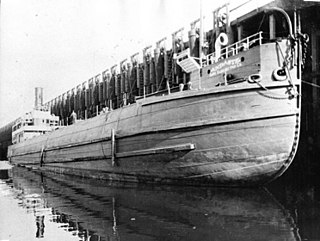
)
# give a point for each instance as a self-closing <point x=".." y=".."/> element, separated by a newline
<point x="42" y="206"/>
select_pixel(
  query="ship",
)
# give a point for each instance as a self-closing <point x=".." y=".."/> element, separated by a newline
<point x="220" y="109"/>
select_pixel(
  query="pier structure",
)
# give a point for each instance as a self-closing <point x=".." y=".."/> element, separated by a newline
<point x="310" y="119"/>
<point x="149" y="72"/>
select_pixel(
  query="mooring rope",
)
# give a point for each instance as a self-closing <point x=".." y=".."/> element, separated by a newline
<point x="312" y="84"/>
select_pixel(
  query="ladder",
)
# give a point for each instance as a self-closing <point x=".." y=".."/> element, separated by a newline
<point x="187" y="62"/>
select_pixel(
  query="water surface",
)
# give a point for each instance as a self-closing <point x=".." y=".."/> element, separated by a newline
<point x="46" y="206"/>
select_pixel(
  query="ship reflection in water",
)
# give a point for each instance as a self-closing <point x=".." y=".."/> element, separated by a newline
<point x="56" y="207"/>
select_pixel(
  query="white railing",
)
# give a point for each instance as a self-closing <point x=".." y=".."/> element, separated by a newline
<point x="234" y="49"/>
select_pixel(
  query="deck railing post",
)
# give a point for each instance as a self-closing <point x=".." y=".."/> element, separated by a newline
<point x="260" y="38"/>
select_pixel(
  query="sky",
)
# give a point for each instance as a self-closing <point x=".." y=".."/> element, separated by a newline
<point x="59" y="44"/>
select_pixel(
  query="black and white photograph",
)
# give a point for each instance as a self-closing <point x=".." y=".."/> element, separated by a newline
<point x="160" y="120"/>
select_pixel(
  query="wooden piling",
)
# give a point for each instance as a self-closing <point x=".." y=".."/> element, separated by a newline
<point x="192" y="40"/>
<point x="104" y="88"/>
<point x="135" y="79"/>
<point x="113" y="147"/>
<point x="146" y="69"/>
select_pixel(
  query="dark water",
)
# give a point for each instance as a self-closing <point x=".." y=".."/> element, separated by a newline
<point x="35" y="206"/>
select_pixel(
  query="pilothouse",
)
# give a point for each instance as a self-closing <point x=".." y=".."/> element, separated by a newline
<point x="34" y="123"/>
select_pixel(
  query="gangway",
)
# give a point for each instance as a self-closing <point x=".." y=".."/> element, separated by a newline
<point x="187" y="62"/>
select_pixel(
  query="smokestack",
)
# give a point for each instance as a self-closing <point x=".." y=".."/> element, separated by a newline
<point x="38" y="98"/>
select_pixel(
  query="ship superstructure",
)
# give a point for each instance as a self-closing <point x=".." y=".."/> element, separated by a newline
<point x="33" y="123"/>
<point x="37" y="122"/>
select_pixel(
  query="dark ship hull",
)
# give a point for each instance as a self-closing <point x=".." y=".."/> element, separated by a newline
<point x="204" y="137"/>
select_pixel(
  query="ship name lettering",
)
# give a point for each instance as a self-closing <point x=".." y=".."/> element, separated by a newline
<point x="225" y="66"/>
